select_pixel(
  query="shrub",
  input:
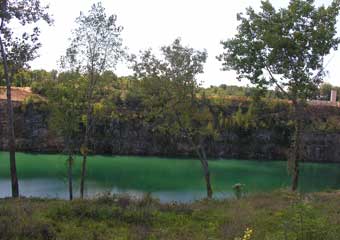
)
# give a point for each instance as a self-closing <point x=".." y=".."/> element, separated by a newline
<point x="239" y="190"/>
<point x="302" y="222"/>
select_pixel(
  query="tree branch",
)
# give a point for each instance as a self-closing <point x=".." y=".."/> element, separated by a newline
<point x="4" y="9"/>
<point x="275" y="81"/>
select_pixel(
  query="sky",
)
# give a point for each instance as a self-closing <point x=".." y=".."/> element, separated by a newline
<point x="201" y="24"/>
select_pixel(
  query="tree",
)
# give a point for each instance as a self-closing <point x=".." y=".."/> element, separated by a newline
<point x="325" y="90"/>
<point x="16" y="52"/>
<point x="65" y="101"/>
<point x="96" y="46"/>
<point x="170" y="96"/>
<point x="284" y="48"/>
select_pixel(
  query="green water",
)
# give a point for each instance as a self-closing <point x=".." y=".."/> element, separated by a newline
<point x="168" y="179"/>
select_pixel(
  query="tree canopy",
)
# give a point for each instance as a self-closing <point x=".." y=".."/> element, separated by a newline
<point x="96" y="45"/>
<point x="22" y="48"/>
<point x="170" y="94"/>
<point x="285" y="47"/>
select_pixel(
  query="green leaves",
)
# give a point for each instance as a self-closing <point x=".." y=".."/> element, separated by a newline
<point x="170" y="91"/>
<point x="66" y="103"/>
<point x="96" y="44"/>
<point x="21" y="49"/>
<point x="284" y="48"/>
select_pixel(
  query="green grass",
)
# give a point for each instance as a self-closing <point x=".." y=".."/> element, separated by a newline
<point x="273" y="216"/>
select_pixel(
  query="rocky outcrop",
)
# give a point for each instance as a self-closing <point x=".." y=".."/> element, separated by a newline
<point x="135" y="137"/>
<point x="322" y="147"/>
<point x="31" y="129"/>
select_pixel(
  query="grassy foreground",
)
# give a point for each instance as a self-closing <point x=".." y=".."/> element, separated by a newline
<point x="269" y="216"/>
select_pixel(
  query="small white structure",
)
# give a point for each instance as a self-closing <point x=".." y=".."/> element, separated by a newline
<point x="332" y="101"/>
<point x="333" y="96"/>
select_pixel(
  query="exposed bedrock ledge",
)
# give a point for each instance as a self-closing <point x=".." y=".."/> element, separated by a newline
<point x="136" y="138"/>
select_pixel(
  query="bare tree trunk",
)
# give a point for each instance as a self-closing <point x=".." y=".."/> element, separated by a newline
<point x="70" y="179"/>
<point x="84" y="153"/>
<point x="10" y="117"/>
<point x="205" y="165"/>
<point x="83" y="175"/>
<point x="296" y="155"/>
<point x="200" y="151"/>
<point x="85" y="146"/>
<point x="296" y="148"/>
<point x="207" y="178"/>
<point x="83" y="167"/>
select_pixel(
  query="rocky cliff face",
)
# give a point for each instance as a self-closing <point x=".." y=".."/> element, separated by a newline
<point x="321" y="147"/>
<point x="31" y="129"/>
<point x="137" y="138"/>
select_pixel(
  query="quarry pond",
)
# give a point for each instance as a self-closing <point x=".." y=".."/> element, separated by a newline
<point x="168" y="179"/>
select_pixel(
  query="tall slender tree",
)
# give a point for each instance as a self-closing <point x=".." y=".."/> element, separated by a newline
<point x="65" y="101"/>
<point x="285" y="48"/>
<point x="95" y="47"/>
<point x="170" y="93"/>
<point x="17" y="50"/>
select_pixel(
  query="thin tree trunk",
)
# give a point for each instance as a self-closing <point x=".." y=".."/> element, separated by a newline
<point x="70" y="179"/>
<point x="83" y="165"/>
<point x="206" y="171"/>
<point x="203" y="159"/>
<point x="87" y="131"/>
<point x="83" y="175"/>
<point x="10" y="123"/>
<point x="296" y="147"/>
<point x="200" y="151"/>
<point x="205" y="166"/>
<point x="296" y="157"/>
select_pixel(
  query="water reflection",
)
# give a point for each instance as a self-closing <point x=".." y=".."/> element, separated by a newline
<point x="167" y="179"/>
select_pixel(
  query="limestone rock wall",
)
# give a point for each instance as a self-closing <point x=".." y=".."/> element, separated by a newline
<point x="137" y="138"/>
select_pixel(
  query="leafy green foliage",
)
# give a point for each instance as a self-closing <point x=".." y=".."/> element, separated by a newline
<point x="283" y="48"/>
<point x="170" y="89"/>
<point x="324" y="92"/>
<point x="96" y="45"/>
<point x="224" y="90"/>
<point x="170" y="97"/>
<point x="95" y="48"/>
<point x="66" y="100"/>
<point x="21" y="49"/>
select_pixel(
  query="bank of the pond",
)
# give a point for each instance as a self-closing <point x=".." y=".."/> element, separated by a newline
<point x="169" y="179"/>
<point x="275" y="216"/>
<point x="134" y="134"/>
